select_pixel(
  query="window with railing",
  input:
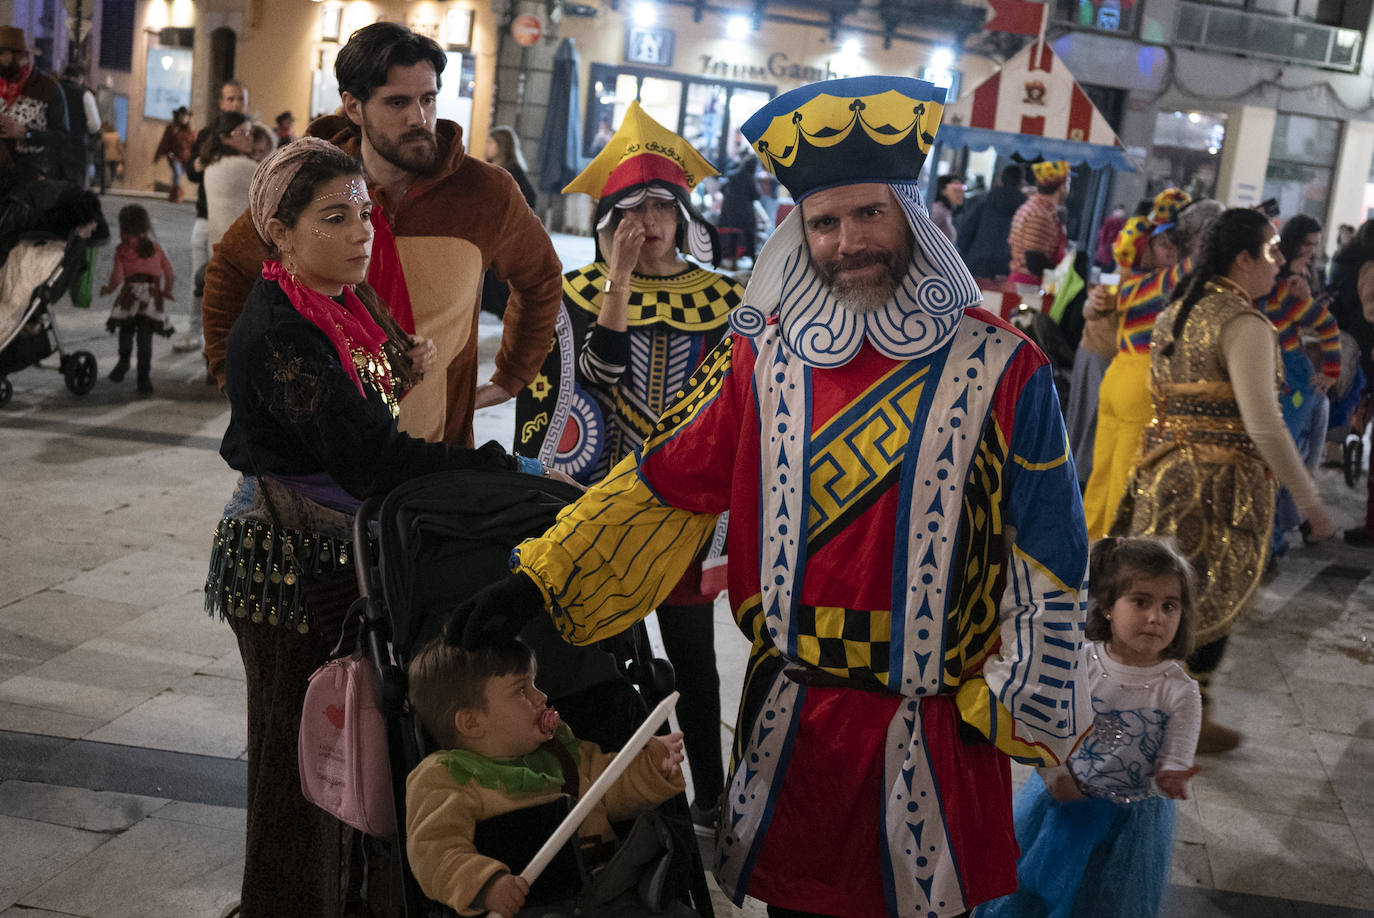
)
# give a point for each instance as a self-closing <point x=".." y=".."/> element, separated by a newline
<point x="1257" y="31"/>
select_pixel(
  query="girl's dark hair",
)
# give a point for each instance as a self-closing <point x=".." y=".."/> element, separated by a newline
<point x="944" y="182"/>
<point x="1295" y="233"/>
<point x="1117" y="563"/>
<point x="362" y="64"/>
<point x="134" y="221"/>
<point x="322" y="167"/>
<point x="227" y="122"/>
<point x="444" y="679"/>
<point x="1240" y="229"/>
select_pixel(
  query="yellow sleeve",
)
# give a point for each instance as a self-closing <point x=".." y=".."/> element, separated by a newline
<point x="441" y="822"/>
<point x="613" y="556"/>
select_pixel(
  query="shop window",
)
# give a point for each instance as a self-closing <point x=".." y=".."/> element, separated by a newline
<point x="1117" y="16"/>
<point x="1185" y="152"/>
<point x="168" y="82"/>
<point x="706" y="112"/>
<point x="1302" y="158"/>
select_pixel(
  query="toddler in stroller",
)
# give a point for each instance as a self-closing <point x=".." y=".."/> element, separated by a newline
<point x="504" y="750"/>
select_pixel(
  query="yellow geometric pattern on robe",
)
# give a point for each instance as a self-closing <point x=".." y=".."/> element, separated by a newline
<point x="831" y="119"/>
<point x="617" y="552"/>
<point x="857" y="450"/>
<point x="693" y="301"/>
<point x="974" y="600"/>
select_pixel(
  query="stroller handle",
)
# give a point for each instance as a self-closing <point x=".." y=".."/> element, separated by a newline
<point x="599" y="788"/>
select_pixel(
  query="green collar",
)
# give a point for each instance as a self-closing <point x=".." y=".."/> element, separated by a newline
<point x="532" y="773"/>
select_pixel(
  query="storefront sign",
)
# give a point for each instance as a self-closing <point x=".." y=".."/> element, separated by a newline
<point x="649" y="46"/>
<point x="526" y="29"/>
<point x="778" y="67"/>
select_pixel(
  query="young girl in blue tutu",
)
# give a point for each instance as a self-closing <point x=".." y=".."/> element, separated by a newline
<point x="1097" y="834"/>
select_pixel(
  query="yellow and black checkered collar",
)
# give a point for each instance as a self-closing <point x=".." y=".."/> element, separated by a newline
<point x="695" y="300"/>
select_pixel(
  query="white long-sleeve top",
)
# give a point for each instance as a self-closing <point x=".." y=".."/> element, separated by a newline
<point x="1144" y="719"/>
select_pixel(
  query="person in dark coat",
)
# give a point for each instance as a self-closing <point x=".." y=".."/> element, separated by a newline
<point x="985" y="223"/>
<point x="738" y="221"/>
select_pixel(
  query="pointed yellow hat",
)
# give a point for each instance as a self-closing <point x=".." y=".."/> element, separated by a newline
<point x="641" y="151"/>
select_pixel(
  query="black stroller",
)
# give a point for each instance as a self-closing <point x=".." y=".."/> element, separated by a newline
<point x="34" y="277"/>
<point x="42" y="251"/>
<point x="442" y="537"/>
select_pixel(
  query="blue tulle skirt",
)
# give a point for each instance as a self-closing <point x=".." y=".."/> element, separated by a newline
<point x="1087" y="859"/>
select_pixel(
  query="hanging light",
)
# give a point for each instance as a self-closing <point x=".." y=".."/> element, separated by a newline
<point x="645" y="15"/>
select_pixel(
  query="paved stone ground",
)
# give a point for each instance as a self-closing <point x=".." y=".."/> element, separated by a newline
<point x="121" y="703"/>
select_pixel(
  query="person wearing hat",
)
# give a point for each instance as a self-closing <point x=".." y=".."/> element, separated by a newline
<point x="634" y="325"/>
<point x="1037" y="238"/>
<point x="175" y="146"/>
<point x="33" y="110"/>
<point x="1148" y="254"/>
<point x="906" y="546"/>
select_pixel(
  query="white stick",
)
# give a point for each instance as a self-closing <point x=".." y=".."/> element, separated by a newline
<point x="599" y="787"/>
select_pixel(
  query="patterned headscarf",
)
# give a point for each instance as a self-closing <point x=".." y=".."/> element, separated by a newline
<point x="273" y="176"/>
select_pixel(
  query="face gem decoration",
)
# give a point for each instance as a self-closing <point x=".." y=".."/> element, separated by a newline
<point x="355" y="191"/>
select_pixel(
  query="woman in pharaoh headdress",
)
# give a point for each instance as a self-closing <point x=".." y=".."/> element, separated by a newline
<point x="635" y="324"/>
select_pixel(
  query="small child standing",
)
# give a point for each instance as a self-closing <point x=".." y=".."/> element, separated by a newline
<point x="1096" y="835"/>
<point x="143" y="276"/>
<point x="504" y="749"/>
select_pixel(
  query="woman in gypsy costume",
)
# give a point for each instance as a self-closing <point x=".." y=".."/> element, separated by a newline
<point x="1123" y="407"/>
<point x="315" y="368"/>
<point x="1217" y="441"/>
<point x="634" y="326"/>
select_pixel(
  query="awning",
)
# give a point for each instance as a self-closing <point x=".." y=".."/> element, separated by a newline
<point x="1030" y="148"/>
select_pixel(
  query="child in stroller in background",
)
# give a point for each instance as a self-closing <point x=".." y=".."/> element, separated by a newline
<point x="502" y="750"/>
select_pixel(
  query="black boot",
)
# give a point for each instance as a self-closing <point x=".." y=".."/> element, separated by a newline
<point x="126" y="349"/>
<point x="145" y="360"/>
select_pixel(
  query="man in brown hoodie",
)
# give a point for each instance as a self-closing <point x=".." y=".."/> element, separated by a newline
<point x="453" y="218"/>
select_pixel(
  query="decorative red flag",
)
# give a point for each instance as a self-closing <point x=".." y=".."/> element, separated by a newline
<point x="1020" y="17"/>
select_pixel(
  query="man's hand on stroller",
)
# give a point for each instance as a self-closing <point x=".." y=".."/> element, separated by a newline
<point x="667" y="751"/>
<point x="506" y="894"/>
<point x="494" y="614"/>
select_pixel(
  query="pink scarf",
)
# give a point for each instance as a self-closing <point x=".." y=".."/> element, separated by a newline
<point x="347" y="327"/>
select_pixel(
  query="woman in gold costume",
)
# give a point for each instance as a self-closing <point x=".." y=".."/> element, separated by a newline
<point x="1206" y="478"/>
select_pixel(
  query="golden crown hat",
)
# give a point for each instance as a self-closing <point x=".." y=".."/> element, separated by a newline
<point x="1049" y="171"/>
<point x="1129" y="242"/>
<point x="641" y="151"/>
<point x="1167" y="205"/>
<point x="843" y="132"/>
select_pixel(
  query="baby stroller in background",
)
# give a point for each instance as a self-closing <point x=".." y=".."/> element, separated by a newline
<point x="34" y="277"/>
<point x="42" y="251"/>
<point x="442" y="537"/>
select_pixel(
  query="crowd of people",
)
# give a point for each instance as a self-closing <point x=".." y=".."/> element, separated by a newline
<point x="938" y="568"/>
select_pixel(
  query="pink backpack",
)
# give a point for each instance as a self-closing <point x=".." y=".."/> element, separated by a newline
<point x="344" y="765"/>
